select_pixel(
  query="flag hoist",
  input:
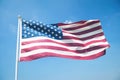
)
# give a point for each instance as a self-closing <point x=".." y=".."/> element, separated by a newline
<point x="18" y="45"/>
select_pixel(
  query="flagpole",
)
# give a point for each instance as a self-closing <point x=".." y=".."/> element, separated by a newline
<point x="17" y="47"/>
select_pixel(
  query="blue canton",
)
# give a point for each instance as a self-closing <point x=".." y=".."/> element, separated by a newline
<point x="34" y="29"/>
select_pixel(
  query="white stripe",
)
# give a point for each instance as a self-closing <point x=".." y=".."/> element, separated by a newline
<point x="35" y="38"/>
<point x="93" y="39"/>
<point x="61" y="52"/>
<point x="71" y="25"/>
<point x="84" y="28"/>
<point x="59" y="45"/>
<point x="84" y="35"/>
<point x="66" y="40"/>
<point x="80" y="41"/>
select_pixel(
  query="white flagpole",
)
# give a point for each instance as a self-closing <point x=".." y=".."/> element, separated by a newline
<point x="18" y="47"/>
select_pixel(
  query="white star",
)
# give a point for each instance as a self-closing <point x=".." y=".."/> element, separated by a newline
<point x="25" y="31"/>
<point x="48" y="25"/>
<point x="27" y="28"/>
<point x="48" y="30"/>
<point x="42" y="31"/>
<point x="28" y="33"/>
<point x="35" y="32"/>
<point x="39" y="33"/>
<point x="37" y="23"/>
<point x="60" y="37"/>
<point x="54" y="26"/>
<point x="30" y="24"/>
<point x="59" y="32"/>
<point x="44" y="24"/>
<point x="25" y="25"/>
<point x="32" y="34"/>
<point x="34" y="26"/>
<point x="27" y="22"/>
<point x="45" y="32"/>
<point x="38" y="28"/>
<point x="56" y="34"/>
<point x="34" y="22"/>
<point x="52" y="32"/>
<point x="31" y="30"/>
<point x="51" y="27"/>
<point x="53" y="37"/>
<point x="23" y="20"/>
<point x="49" y="35"/>
<point x="40" y="22"/>
<point x="25" y="35"/>
<point x="45" y="28"/>
<point x="55" y="29"/>
<point x="41" y="25"/>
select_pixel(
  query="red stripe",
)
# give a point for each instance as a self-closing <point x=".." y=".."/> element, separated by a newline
<point x="85" y="38"/>
<point x="47" y="40"/>
<point x="79" y="22"/>
<point x="46" y="54"/>
<point x="93" y="36"/>
<point x="63" y="49"/>
<point x="80" y="26"/>
<point x="63" y="24"/>
<point x="95" y="41"/>
<point x="86" y="31"/>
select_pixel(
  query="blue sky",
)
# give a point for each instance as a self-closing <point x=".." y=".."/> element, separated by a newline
<point x="53" y="11"/>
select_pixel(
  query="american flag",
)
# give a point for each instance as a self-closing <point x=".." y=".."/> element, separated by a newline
<point x="82" y="40"/>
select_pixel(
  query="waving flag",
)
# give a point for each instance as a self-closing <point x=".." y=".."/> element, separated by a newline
<point x="83" y="40"/>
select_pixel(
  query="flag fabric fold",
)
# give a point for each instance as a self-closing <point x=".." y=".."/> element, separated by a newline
<point x="82" y="40"/>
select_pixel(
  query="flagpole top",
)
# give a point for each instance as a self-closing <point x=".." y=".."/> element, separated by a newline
<point x="19" y="17"/>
